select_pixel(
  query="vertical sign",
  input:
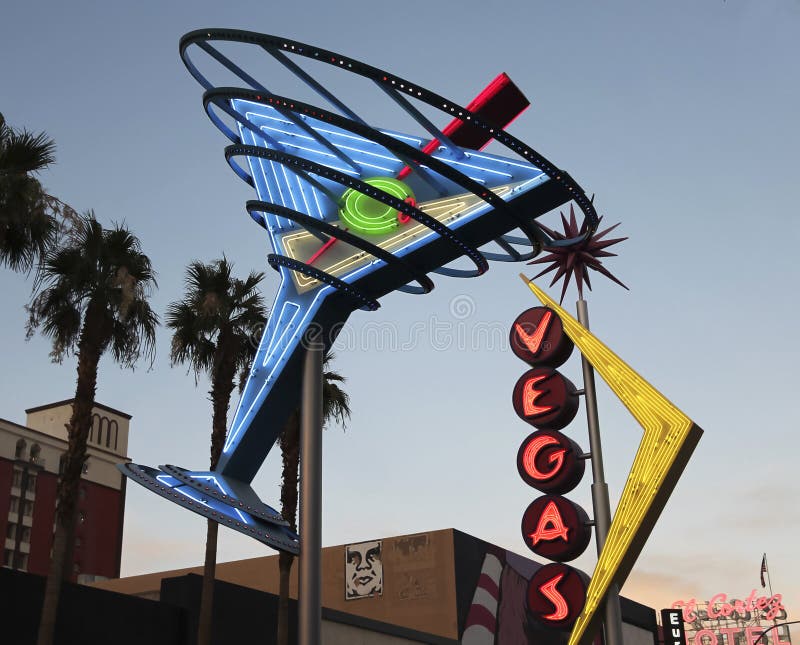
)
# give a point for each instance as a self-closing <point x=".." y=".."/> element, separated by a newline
<point x="672" y="622"/>
<point x="552" y="526"/>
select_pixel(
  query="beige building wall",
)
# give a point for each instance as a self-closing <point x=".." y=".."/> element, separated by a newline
<point x="418" y="582"/>
<point x="49" y="424"/>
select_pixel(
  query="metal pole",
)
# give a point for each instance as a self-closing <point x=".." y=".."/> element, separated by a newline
<point x="309" y="596"/>
<point x="775" y="626"/>
<point x="600" y="503"/>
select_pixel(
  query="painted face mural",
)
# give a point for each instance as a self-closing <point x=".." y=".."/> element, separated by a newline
<point x="363" y="570"/>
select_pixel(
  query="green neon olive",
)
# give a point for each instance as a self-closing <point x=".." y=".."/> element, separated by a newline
<point x="369" y="216"/>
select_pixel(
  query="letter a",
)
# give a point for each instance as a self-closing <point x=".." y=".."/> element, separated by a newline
<point x="551" y="525"/>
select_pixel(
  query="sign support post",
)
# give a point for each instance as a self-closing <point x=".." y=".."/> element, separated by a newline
<point x="600" y="502"/>
<point x="309" y="596"/>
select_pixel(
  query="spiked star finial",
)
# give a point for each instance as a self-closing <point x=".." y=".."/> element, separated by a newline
<point x="576" y="260"/>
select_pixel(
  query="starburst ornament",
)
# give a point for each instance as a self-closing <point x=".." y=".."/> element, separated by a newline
<point x="575" y="260"/>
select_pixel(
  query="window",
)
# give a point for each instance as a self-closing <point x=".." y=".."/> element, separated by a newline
<point x="8" y="559"/>
<point x="26" y="534"/>
<point x="94" y="434"/>
<point x="27" y="508"/>
<point x="22" y="561"/>
<point x="36" y="450"/>
<point x="20" y="448"/>
<point x="31" y="482"/>
<point x="103" y="433"/>
<point x="85" y="468"/>
<point x="14" y="505"/>
<point x="113" y="431"/>
<point x="11" y="531"/>
<point x="16" y="478"/>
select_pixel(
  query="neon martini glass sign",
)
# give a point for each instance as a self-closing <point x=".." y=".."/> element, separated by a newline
<point x="352" y="213"/>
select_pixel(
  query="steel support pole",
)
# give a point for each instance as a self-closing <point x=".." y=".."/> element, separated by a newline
<point x="309" y="596"/>
<point x="602" y="507"/>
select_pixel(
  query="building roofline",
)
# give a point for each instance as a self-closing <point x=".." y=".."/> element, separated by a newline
<point x="62" y="441"/>
<point x="58" y="404"/>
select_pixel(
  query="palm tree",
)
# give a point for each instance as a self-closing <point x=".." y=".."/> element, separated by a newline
<point x="92" y="298"/>
<point x="213" y="332"/>
<point x="335" y="406"/>
<point x="30" y="219"/>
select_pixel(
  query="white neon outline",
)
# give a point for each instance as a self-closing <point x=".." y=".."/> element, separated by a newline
<point x="288" y="186"/>
<point x="476" y="155"/>
<point x="213" y="479"/>
<point x="177" y="481"/>
<point x="316" y="200"/>
<point x="327" y="154"/>
<point x="294" y="340"/>
<point x="302" y="193"/>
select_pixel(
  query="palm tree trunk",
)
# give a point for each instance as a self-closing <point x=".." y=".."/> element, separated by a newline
<point x="207" y="594"/>
<point x="89" y="352"/>
<point x="290" y="453"/>
<point x="224" y="372"/>
<point x="285" y="561"/>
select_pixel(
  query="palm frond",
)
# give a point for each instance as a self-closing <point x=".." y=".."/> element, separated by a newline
<point x="24" y="152"/>
<point x="103" y="274"/>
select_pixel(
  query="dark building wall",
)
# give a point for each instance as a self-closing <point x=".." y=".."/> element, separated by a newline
<point x="6" y="469"/>
<point x="244" y="615"/>
<point x="87" y="616"/>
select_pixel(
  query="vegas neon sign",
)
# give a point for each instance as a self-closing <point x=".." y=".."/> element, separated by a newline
<point x="553" y="527"/>
<point x="668" y="441"/>
<point x="719" y="607"/>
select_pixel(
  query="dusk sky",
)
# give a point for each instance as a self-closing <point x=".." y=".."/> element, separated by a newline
<point x="680" y="116"/>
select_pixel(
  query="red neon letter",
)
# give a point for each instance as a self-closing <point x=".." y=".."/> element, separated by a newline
<point x="730" y="634"/>
<point x="549" y="591"/>
<point x="777" y="640"/>
<point x="774" y="607"/>
<point x="532" y="451"/>
<point x="550" y="516"/>
<point x="720" y="598"/>
<point x="688" y="615"/>
<point x="700" y="636"/>
<point x="534" y="341"/>
<point x="530" y="395"/>
<point x="752" y="634"/>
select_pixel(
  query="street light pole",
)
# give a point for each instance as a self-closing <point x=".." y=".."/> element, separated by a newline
<point x="309" y="592"/>
<point x="600" y="501"/>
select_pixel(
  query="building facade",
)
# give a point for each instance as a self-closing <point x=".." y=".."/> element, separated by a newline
<point x="444" y="584"/>
<point x="759" y="617"/>
<point x="31" y="457"/>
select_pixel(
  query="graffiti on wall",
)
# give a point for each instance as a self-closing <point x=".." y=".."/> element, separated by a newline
<point x="363" y="569"/>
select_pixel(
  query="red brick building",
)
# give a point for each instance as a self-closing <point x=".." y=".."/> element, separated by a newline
<point x="30" y="460"/>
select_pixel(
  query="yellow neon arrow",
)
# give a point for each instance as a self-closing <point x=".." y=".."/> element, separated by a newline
<point x="669" y="440"/>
